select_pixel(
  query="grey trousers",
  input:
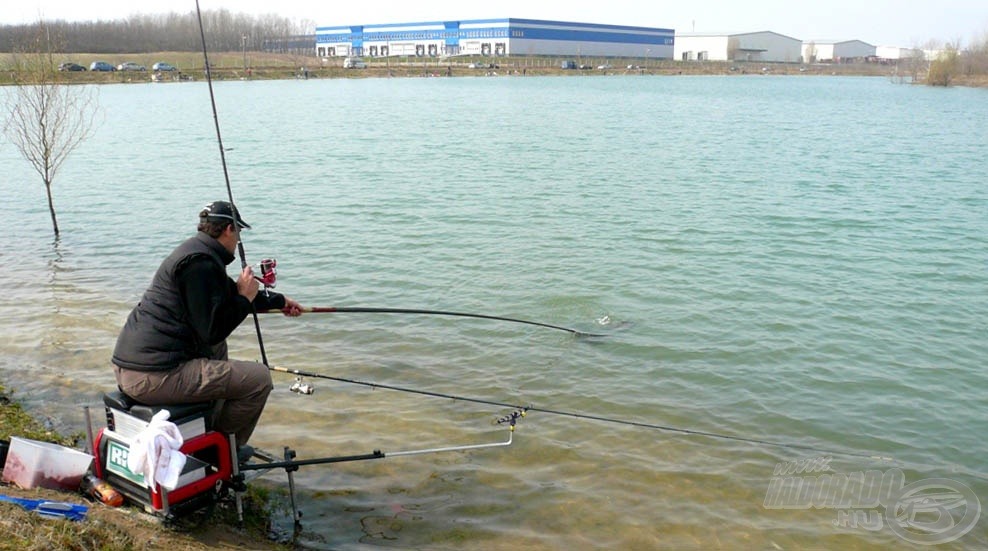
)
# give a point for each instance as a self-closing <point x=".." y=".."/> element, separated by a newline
<point x="242" y="386"/>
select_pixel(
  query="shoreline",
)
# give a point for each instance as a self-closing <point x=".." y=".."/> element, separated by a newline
<point x="259" y="66"/>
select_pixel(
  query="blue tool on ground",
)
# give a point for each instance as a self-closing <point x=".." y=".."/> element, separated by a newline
<point x="51" y="509"/>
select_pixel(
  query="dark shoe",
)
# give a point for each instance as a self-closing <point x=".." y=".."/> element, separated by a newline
<point x="244" y="453"/>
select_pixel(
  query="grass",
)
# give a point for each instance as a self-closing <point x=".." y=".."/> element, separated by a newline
<point x="26" y="531"/>
<point x="14" y="421"/>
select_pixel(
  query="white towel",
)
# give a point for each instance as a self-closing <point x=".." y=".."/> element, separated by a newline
<point x="154" y="453"/>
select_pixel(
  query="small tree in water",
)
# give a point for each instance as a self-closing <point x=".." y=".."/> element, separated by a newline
<point x="944" y="68"/>
<point x="47" y="118"/>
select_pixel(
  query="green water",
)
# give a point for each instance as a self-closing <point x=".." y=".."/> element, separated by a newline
<point x="798" y="260"/>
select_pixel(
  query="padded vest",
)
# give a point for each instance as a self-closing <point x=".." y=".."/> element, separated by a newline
<point x="157" y="335"/>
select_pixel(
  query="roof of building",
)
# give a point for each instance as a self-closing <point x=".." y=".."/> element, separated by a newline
<point x="678" y="34"/>
<point x="498" y="21"/>
<point x="835" y="42"/>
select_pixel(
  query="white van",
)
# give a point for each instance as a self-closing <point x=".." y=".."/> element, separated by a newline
<point x="354" y="63"/>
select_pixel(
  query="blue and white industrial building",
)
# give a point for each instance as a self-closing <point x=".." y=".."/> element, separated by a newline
<point x="494" y="37"/>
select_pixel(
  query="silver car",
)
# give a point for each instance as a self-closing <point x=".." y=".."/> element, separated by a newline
<point x="131" y="66"/>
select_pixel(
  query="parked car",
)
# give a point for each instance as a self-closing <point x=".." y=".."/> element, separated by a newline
<point x="131" y="66"/>
<point x="604" y="67"/>
<point x="568" y="64"/>
<point x="101" y="66"/>
<point x="162" y="66"/>
<point x="69" y="66"/>
<point x="354" y="63"/>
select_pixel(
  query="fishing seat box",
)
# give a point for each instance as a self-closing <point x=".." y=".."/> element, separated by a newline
<point x="208" y="457"/>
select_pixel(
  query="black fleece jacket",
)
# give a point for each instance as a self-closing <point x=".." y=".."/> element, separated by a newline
<point x="190" y="307"/>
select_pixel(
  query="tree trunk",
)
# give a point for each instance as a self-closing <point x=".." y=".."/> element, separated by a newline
<point x="51" y="207"/>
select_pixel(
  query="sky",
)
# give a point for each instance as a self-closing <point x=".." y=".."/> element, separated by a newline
<point x="901" y="23"/>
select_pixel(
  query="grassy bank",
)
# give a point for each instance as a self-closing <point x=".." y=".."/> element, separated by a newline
<point x="114" y="529"/>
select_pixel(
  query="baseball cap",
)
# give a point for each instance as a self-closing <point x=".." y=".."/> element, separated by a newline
<point x="223" y="210"/>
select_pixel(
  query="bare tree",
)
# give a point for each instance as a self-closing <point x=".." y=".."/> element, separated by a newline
<point x="171" y="32"/>
<point x="975" y="59"/>
<point x="811" y="53"/>
<point x="914" y="61"/>
<point x="46" y="118"/>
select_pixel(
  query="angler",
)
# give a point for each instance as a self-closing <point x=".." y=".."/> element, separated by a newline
<point x="172" y="348"/>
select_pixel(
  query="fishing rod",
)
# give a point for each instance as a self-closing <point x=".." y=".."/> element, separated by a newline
<point x="226" y="177"/>
<point x="269" y="277"/>
<point x="301" y="388"/>
<point x="359" y="309"/>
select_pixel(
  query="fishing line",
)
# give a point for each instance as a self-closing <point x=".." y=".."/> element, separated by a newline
<point x="577" y="415"/>
<point x="360" y="309"/>
<point x="226" y="178"/>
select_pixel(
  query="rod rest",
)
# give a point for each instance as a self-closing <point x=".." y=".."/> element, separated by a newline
<point x="118" y="400"/>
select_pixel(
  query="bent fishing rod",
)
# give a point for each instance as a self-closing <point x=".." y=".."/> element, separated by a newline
<point x="360" y="309"/>
<point x="226" y="177"/>
<point x="300" y="388"/>
<point x="269" y="277"/>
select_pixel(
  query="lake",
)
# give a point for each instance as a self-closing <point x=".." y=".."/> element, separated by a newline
<point x="794" y="266"/>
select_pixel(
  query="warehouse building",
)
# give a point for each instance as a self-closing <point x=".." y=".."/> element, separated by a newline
<point x="837" y="51"/>
<point x="761" y="46"/>
<point x="494" y="37"/>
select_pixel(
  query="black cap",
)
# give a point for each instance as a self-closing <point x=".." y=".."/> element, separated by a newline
<point x="222" y="210"/>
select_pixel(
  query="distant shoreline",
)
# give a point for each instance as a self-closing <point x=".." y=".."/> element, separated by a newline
<point x="260" y="66"/>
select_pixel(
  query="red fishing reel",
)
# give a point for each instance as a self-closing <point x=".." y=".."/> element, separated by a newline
<point x="269" y="272"/>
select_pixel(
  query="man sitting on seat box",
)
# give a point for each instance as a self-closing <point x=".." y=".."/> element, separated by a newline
<point x="172" y="349"/>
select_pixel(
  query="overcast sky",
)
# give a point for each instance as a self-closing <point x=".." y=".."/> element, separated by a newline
<point x="878" y="22"/>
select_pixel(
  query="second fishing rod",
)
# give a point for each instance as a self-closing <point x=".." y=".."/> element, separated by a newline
<point x="226" y="177"/>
